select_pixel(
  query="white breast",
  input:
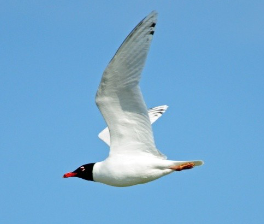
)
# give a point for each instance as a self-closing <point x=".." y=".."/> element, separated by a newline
<point x="127" y="171"/>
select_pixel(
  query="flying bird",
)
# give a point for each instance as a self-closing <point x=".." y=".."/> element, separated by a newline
<point x="133" y="157"/>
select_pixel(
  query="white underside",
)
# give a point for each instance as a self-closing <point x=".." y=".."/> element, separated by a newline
<point x="127" y="171"/>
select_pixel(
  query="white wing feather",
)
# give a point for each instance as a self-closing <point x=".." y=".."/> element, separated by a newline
<point x="119" y="97"/>
<point x="154" y="114"/>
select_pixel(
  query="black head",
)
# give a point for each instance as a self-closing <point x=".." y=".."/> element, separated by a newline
<point x="84" y="172"/>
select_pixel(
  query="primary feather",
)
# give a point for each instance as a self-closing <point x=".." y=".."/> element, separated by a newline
<point x="119" y="97"/>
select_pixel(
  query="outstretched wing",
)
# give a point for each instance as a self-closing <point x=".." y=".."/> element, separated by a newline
<point x="119" y="97"/>
<point x="154" y="114"/>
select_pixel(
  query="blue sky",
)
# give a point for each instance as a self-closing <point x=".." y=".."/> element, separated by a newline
<point x="205" y="62"/>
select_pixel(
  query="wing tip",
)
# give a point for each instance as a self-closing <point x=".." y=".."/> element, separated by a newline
<point x="165" y="106"/>
<point x="152" y="15"/>
<point x="162" y="107"/>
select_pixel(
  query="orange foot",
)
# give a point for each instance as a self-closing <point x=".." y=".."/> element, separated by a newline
<point x="183" y="166"/>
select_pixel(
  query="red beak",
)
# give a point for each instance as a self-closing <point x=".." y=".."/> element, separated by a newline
<point x="70" y="174"/>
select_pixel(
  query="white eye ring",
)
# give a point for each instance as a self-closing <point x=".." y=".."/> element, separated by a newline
<point x="82" y="168"/>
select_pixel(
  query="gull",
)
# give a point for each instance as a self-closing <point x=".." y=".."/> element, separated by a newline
<point x="133" y="158"/>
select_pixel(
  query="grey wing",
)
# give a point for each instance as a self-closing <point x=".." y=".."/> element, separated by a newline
<point x="119" y="97"/>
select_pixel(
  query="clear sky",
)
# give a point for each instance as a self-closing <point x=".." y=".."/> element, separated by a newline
<point x="206" y="62"/>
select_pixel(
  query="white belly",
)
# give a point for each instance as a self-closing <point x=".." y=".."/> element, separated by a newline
<point x="123" y="172"/>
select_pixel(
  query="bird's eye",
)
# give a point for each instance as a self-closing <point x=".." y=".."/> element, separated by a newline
<point x="82" y="168"/>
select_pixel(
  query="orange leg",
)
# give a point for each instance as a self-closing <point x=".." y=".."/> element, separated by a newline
<point x="183" y="166"/>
